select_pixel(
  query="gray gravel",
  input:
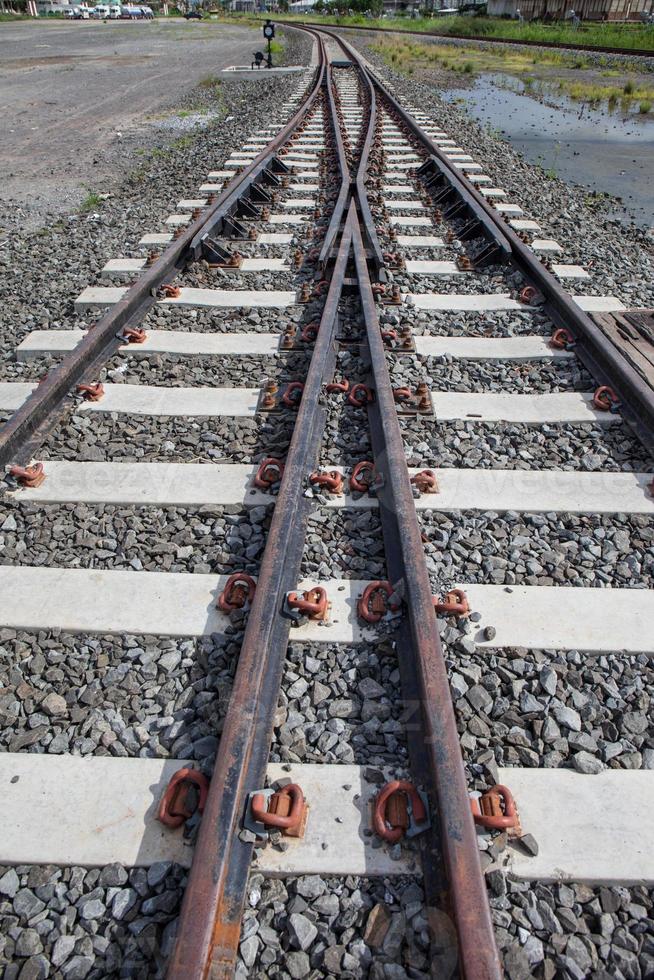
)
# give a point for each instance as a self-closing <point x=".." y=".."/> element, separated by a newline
<point x="172" y="539"/>
<point x="516" y="446"/>
<point x="538" y="708"/>
<point x="340" y="705"/>
<point x="123" y="696"/>
<point x="170" y="439"/>
<point x="460" y="324"/>
<point x="87" y="923"/>
<point x="519" y="378"/>
<point x="607" y="551"/>
<point x="571" y="930"/>
<point x="325" y="927"/>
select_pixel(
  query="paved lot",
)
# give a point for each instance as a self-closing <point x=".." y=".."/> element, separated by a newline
<point x="77" y="98"/>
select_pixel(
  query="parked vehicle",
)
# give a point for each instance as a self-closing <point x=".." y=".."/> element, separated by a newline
<point x="148" y="13"/>
<point x="132" y="13"/>
<point x="101" y="12"/>
<point x="115" y="11"/>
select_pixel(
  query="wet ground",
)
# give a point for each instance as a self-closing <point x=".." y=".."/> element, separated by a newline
<point x="606" y="152"/>
<point x="78" y="98"/>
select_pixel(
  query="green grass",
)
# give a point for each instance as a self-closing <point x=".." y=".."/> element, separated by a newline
<point x="91" y="202"/>
<point x="624" y="36"/>
<point x="407" y="55"/>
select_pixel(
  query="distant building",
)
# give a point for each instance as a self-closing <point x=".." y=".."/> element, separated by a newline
<point x="560" y="9"/>
<point x="45" y="7"/>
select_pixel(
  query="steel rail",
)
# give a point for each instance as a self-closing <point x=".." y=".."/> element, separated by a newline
<point x="595" y="350"/>
<point x="28" y="427"/>
<point x="210" y="919"/>
<point x="469" y="899"/>
<point x="333" y="228"/>
<point x="209" y="928"/>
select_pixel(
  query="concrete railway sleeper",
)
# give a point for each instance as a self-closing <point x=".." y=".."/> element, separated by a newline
<point x="366" y="674"/>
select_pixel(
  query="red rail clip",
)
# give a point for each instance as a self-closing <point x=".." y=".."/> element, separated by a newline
<point x="176" y="804"/>
<point x="398" y="808"/>
<point x="335" y="386"/>
<point x="496" y="809"/>
<point x="170" y="291"/>
<point x="425" y="481"/>
<point x="309" y="333"/>
<point x="133" y="335"/>
<point x="286" y="810"/>
<point x="28" y="476"/>
<point x="239" y="589"/>
<point x="293" y="394"/>
<point x="363" y="476"/>
<point x="270" y="471"/>
<point x="360" y="395"/>
<point x="375" y="602"/>
<point x="605" y="399"/>
<point x="312" y="603"/>
<point x="455" y="603"/>
<point x="561" y="339"/>
<point x="332" y="481"/>
<point x="91" y="393"/>
<point x="528" y="294"/>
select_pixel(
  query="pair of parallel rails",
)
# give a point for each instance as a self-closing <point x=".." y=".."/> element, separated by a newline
<point x="351" y="259"/>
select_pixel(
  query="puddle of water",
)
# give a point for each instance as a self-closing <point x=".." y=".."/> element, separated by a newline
<point x="589" y="147"/>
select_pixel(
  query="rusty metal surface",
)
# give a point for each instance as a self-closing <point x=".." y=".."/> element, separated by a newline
<point x="633" y="334"/>
<point x="210" y="919"/>
<point x="477" y="950"/>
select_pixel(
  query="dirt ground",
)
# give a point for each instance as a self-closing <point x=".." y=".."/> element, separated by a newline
<point x="78" y="98"/>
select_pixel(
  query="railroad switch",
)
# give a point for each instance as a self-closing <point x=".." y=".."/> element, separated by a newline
<point x="400" y="810"/>
<point x="270" y="811"/>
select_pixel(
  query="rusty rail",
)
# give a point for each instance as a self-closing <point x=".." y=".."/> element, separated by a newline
<point x="210" y="920"/>
<point x="422" y="661"/>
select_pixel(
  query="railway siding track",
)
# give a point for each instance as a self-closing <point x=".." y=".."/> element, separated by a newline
<point x="359" y="700"/>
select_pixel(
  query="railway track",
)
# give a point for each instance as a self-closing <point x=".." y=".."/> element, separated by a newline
<point x="351" y="628"/>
